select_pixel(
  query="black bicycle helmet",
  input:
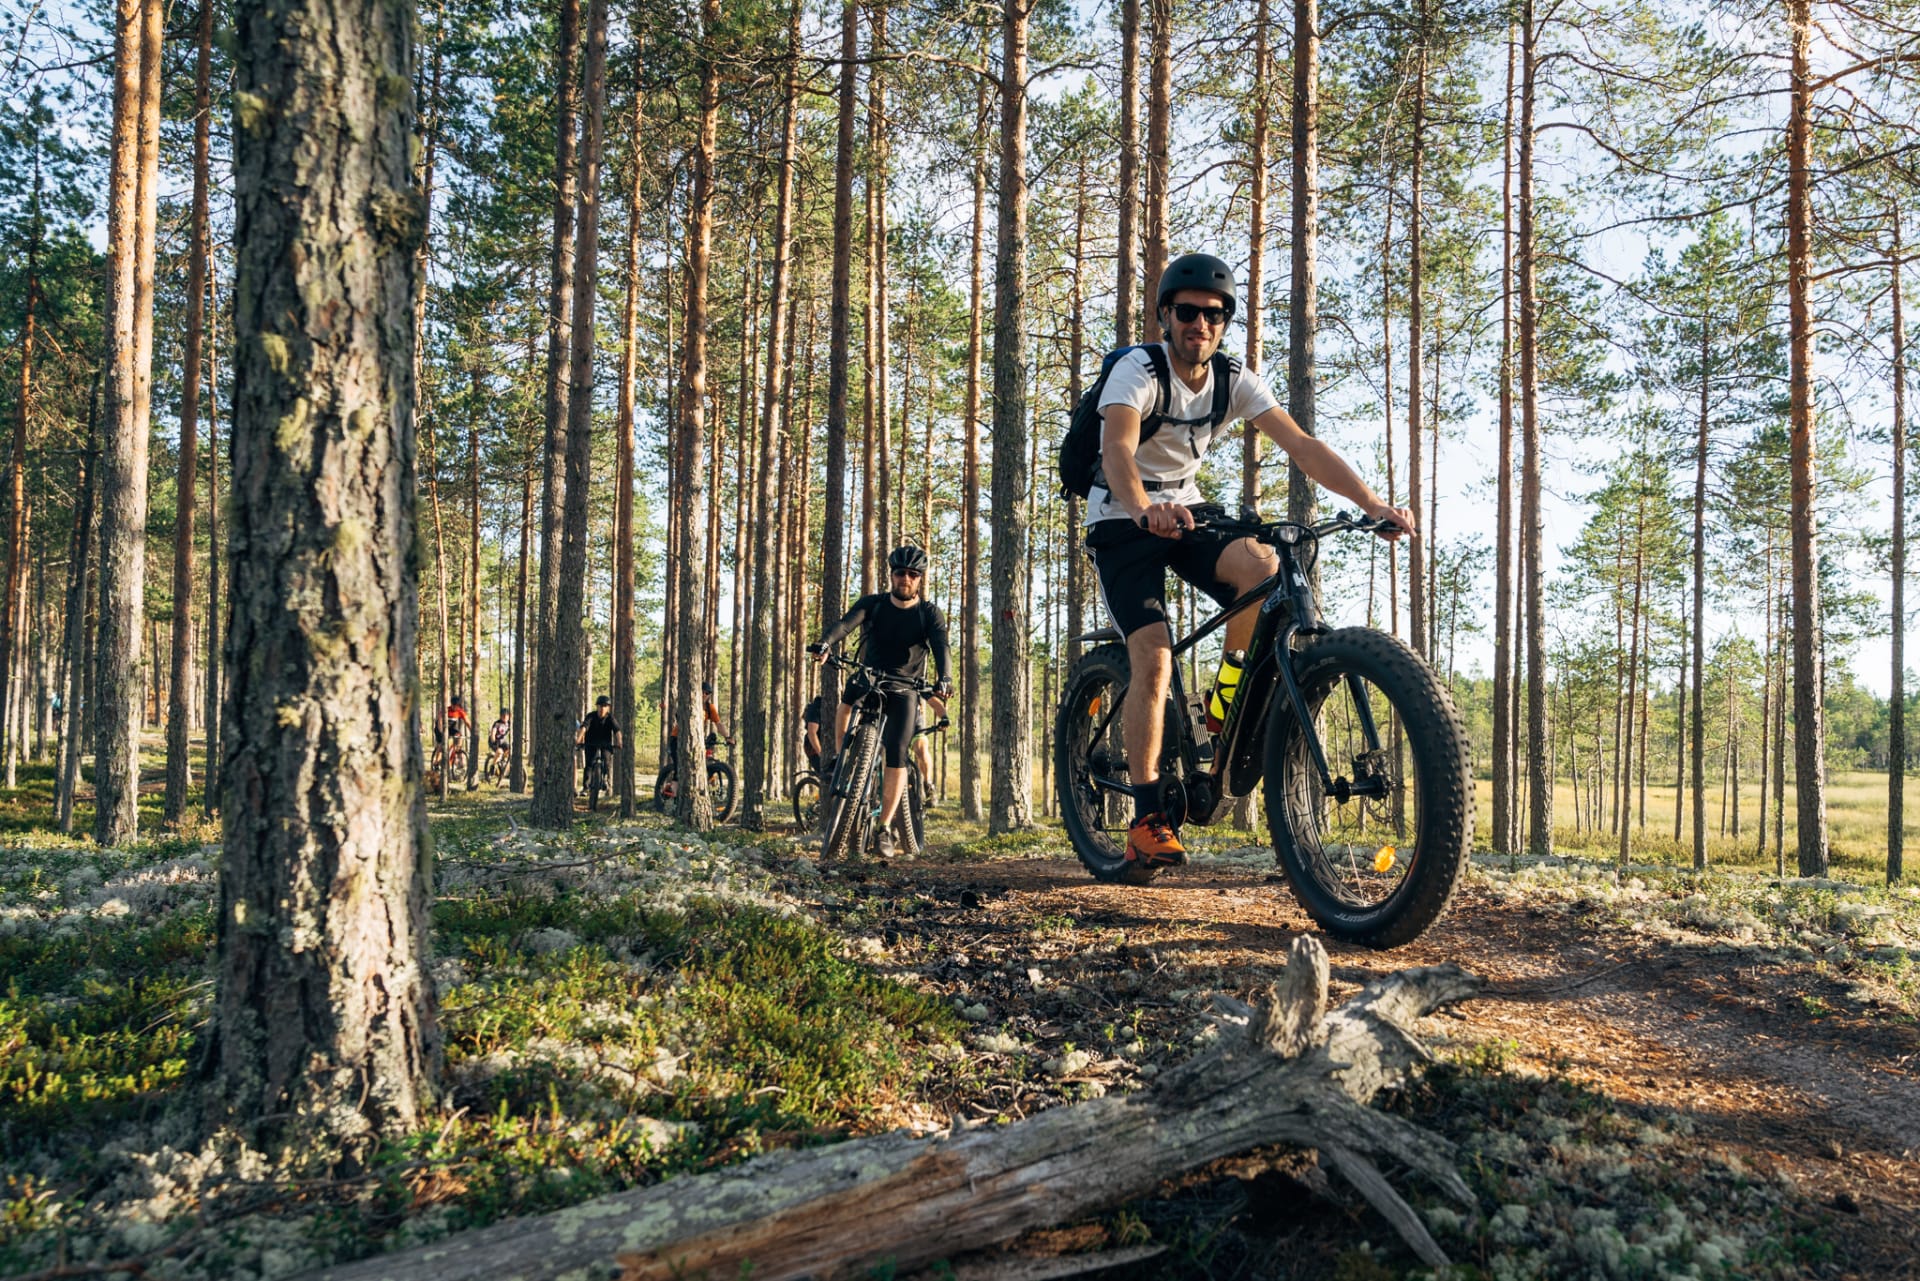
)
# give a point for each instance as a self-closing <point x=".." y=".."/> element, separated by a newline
<point x="706" y="687"/>
<point x="603" y="701"/>
<point x="908" y="557"/>
<point x="1197" y="271"/>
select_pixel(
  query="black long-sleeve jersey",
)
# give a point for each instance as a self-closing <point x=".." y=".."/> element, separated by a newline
<point x="897" y="639"/>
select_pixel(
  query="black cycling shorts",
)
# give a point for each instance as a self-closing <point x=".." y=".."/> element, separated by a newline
<point x="903" y="715"/>
<point x="1132" y="567"/>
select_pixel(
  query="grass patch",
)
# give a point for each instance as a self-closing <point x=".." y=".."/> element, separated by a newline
<point x="617" y="1002"/>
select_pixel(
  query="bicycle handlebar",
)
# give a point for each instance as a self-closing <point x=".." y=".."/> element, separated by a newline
<point x="1249" y="525"/>
<point x="874" y="674"/>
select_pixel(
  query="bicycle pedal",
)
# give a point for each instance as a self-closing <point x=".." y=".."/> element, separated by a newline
<point x="1203" y="752"/>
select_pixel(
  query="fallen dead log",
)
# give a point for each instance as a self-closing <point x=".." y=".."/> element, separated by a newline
<point x="1286" y="1072"/>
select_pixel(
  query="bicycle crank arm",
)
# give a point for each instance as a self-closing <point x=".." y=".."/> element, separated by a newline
<point x="1110" y="785"/>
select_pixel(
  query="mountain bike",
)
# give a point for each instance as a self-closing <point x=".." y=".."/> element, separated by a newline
<point x="720" y="790"/>
<point x="853" y="800"/>
<point x="496" y="768"/>
<point x="1364" y="758"/>
<point x="599" y="775"/>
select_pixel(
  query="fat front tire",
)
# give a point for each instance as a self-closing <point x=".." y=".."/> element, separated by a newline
<point x="720" y="790"/>
<point x="912" y="819"/>
<point x="847" y="814"/>
<point x="1376" y="868"/>
<point x="593" y="790"/>
<point x="1088" y="745"/>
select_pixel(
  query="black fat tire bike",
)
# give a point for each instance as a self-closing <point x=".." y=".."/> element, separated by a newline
<point x="853" y="798"/>
<point x="1368" y="798"/>
<point x="720" y="788"/>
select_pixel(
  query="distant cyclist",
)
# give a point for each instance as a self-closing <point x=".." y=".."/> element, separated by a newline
<point x="459" y="734"/>
<point x="902" y="628"/>
<point x="500" y="738"/>
<point x="597" y="734"/>
<point x="710" y="717"/>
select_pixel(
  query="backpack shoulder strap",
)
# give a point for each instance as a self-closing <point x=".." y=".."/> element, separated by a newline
<point x="1226" y="371"/>
<point x="1162" y="378"/>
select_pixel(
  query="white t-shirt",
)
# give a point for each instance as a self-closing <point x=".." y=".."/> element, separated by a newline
<point x="1173" y="454"/>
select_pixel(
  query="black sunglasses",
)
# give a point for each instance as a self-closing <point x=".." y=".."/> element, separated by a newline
<point x="910" y="573"/>
<point x="1187" y="312"/>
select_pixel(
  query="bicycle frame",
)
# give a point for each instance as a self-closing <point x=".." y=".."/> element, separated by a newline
<point x="1288" y="610"/>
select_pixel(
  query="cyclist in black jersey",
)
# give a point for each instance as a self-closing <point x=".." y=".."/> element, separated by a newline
<point x="901" y="628"/>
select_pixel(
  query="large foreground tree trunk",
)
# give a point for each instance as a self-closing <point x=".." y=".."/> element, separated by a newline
<point x="1809" y="716"/>
<point x="1897" y="695"/>
<point x="1011" y="805"/>
<point x="1288" y="1072"/>
<point x="324" y="1020"/>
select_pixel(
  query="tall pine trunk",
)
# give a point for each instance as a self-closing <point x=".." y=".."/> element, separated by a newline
<point x="560" y="288"/>
<point x="1697" y="745"/>
<point x="1012" y="794"/>
<point x="324" y="1017"/>
<point x="133" y="193"/>
<point x="1416" y="340"/>
<point x="1126" y="325"/>
<point x="1539" y="764"/>
<point x="758" y="743"/>
<point x="1303" y="307"/>
<point x="1809" y="716"/>
<point x="1159" y="147"/>
<point x="971" y="690"/>
<point x="621" y="671"/>
<point x="1256" y="245"/>
<point x="1503" y="585"/>
<point x="695" y="806"/>
<point x="178" y="713"/>
<point x="1897" y="688"/>
<point x="73" y="724"/>
<point x="216" y="604"/>
<point x="833" y="527"/>
<point x="561" y="662"/>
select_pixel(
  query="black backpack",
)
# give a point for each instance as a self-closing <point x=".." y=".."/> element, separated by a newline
<point x="1080" y="448"/>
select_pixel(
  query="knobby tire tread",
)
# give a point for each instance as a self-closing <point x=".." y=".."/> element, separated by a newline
<point x="849" y="811"/>
<point x="1437" y="744"/>
<point x="1107" y="667"/>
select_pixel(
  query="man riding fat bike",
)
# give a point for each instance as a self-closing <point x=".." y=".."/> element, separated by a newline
<point x="901" y="628"/>
<point x="499" y="740"/>
<point x="1161" y="407"/>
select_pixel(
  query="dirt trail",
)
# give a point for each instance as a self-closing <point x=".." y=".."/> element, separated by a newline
<point x="1781" y="1066"/>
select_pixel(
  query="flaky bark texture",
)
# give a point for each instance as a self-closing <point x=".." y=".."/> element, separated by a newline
<point x="325" y="1031"/>
<point x="695" y="804"/>
<point x="1303" y="306"/>
<point x="132" y="195"/>
<point x="833" y="529"/>
<point x="759" y="741"/>
<point x="1127" y="260"/>
<point x="1539" y="773"/>
<point x="561" y="660"/>
<point x="1896" y="698"/>
<point x="1011" y="804"/>
<point x="1287" y="1072"/>
<point x="1809" y="680"/>
<point x="971" y="807"/>
<point x="179" y="687"/>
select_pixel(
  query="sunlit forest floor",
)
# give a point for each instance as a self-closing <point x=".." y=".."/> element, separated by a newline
<point x="1670" y="1075"/>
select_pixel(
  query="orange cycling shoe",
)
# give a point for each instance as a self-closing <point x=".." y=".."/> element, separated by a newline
<point x="1152" y="841"/>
